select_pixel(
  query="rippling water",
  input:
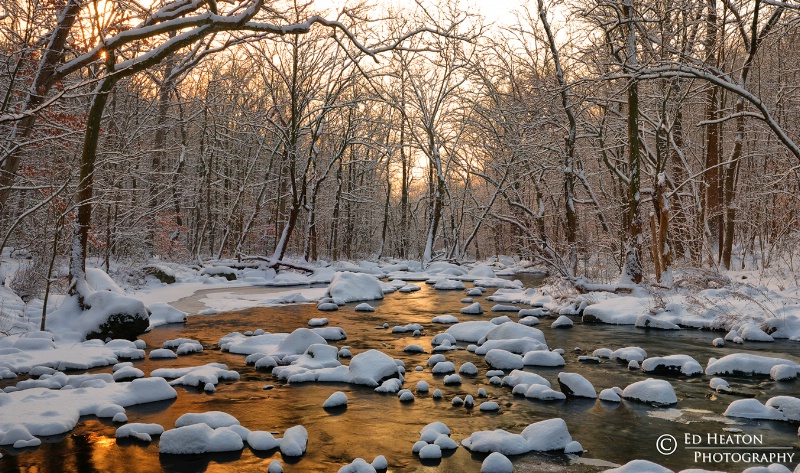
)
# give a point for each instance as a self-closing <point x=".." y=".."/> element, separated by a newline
<point x="375" y="424"/>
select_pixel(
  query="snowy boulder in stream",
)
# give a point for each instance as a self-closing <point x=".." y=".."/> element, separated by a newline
<point x="199" y="438"/>
<point x="753" y="409"/>
<point x="294" y="441"/>
<point x="496" y="462"/>
<point x="745" y="364"/>
<point x="472" y="309"/>
<point x="575" y="385"/>
<point x="672" y="365"/>
<point x="562" y="322"/>
<point x="355" y="287"/>
<point x="104" y="315"/>
<point x="651" y="391"/>
<point x="549" y="435"/>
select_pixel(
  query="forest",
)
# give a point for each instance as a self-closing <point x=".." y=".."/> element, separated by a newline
<point x="594" y="138"/>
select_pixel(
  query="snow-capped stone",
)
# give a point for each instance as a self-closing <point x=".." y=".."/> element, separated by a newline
<point x="380" y="463"/>
<point x="18" y="436"/>
<point x="197" y="375"/>
<point x="422" y="387"/>
<point x="753" y="409"/>
<point x="530" y="321"/>
<point x="718" y="342"/>
<point x="789" y="405"/>
<point x="472" y="309"/>
<point x="523" y="377"/>
<point x="648" y="321"/>
<point x="337" y="399"/>
<point x="414" y="348"/>
<point x="445" y="442"/>
<point x="489" y="406"/>
<point x="783" y="373"/>
<point x="502" y="359"/>
<point x="542" y="393"/>
<point x="275" y="467"/>
<point x="409" y="288"/>
<point x="602" y="353"/>
<point x="475" y="292"/>
<point x="143" y="432"/>
<point x="405" y="395"/>
<point x="437" y="394"/>
<point x="449" y="285"/>
<point x="294" y="441"/>
<point x="457" y="401"/>
<point x="562" y="322"/>
<point x="318" y="322"/>
<point x="542" y="358"/>
<point x="657" y="392"/>
<point x="468" y="369"/>
<point x="418" y="446"/>
<point x="213" y="419"/>
<point x="753" y="333"/>
<point x="633" y="365"/>
<point x="430" y="452"/>
<point x="518" y="346"/>
<point x="719" y="385"/>
<point x="609" y="395"/>
<point x="745" y="364"/>
<point x="328" y="306"/>
<point x="629" y="353"/>
<point x="261" y="440"/>
<point x="545" y="436"/>
<point x="444" y="319"/>
<point x="501" y="320"/>
<point x="354" y="287"/>
<point x="443" y="367"/>
<point x="575" y="385"/>
<point x="364" y="307"/>
<point x="199" y="438"/>
<point x="496" y="462"/>
<point x="505" y="308"/>
<point x="162" y="354"/>
<point x="639" y="466"/>
<point x="359" y="465"/>
<point x="452" y="379"/>
<point x="127" y="373"/>
<point x="672" y="365"/>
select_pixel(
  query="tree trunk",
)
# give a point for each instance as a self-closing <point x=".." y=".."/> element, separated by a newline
<point x="633" y="271"/>
<point x="83" y="220"/>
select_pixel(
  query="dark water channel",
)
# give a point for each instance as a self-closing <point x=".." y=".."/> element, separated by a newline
<point x="375" y="424"/>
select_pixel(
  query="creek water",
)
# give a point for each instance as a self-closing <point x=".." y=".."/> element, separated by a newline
<point x="378" y="424"/>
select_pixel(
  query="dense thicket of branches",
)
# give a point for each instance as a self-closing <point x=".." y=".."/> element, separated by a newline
<point x="646" y="134"/>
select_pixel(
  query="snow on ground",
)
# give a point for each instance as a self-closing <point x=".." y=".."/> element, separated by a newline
<point x="227" y="301"/>
<point x="44" y="411"/>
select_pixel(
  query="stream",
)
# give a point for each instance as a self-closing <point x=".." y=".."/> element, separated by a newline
<point x="378" y="424"/>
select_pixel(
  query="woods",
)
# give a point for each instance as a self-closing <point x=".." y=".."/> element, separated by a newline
<point x="597" y="138"/>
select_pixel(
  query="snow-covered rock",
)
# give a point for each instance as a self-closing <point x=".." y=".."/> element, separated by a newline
<point x="504" y="360"/>
<point x="472" y="309"/>
<point x="337" y="399"/>
<point x="449" y="285"/>
<point x="542" y="358"/>
<point x="143" y="432"/>
<point x="354" y="287"/>
<point x="628" y="354"/>
<point x="364" y="307"/>
<point x="545" y="436"/>
<point x="672" y="365"/>
<point x="562" y="322"/>
<point x="496" y="462"/>
<point x="294" y="441"/>
<point x="196" y="375"/>
<point x="213" y="419"/>
<point x="639" y="466"/>
<point x="753" y="409"/>
<point x="575" y="385"/>
<point x="657" y="392"/>
<point x="543" y="393"/>
<point x="199" y="438"/>
<point x="789" y="405"/>
<point x="444" y="319"/>
<point x="746" y="364"/>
